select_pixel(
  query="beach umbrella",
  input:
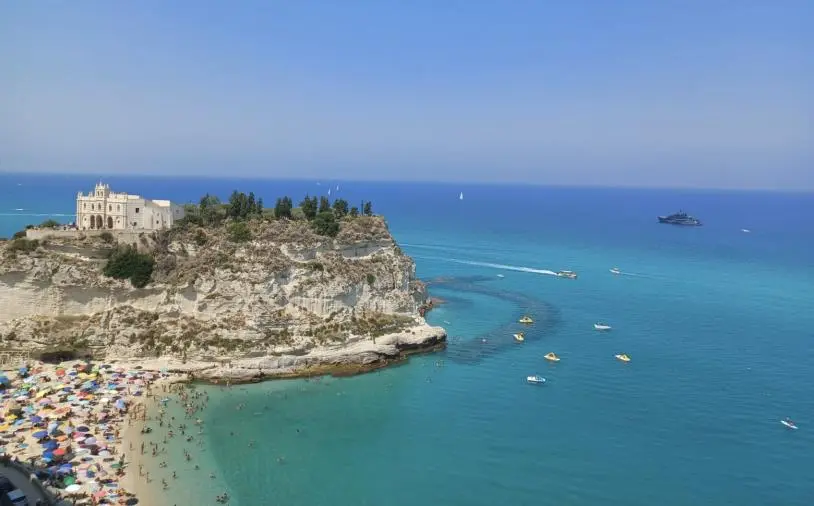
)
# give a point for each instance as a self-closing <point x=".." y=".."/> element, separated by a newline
<point x="36" y="419"/>
<point x="60" y="452"/>
<point x="70" y="480"/>
<point x="83" y="428"/>
<point x="47" y="455"/>
<point x="50" y="445"/>
<point x="4" y="380"/>
<point x="40" y="434"/>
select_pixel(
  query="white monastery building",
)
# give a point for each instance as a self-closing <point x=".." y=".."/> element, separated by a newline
<point x="106" y="210"/>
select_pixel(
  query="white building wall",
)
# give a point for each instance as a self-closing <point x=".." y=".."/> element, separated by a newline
<point x="103" y="209"/>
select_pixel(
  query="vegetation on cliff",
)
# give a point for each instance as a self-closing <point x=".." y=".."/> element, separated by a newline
<point x="127" y="263"/>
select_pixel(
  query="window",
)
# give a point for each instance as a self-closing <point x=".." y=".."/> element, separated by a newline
<point x="109" y="207"/>
<point x="118" y="207"/>
<point x="137" y="210"/>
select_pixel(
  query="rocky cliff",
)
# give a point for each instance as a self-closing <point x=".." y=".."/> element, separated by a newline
<point x="276" y="300"/>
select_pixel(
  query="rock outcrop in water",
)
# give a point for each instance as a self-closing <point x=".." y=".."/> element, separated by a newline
<point x="278" y="300"/>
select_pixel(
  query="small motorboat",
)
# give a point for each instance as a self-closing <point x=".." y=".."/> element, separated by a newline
<point x="567" y="274"/>
<point x="623" y="357"/>
<point x="501" y="276"/>
<point x="519" y="337"/>
<point x="602" y="326"/>
<point x="788" y="423"/>
<point x="526" y="319"/>
<point x="552" y="357"/>
<point x="745" y="230"/>
<point x="616" y="270"/>
<point x="535" y="379"/>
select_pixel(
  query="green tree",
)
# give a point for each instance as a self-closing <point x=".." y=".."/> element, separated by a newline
<point x="209" y="207"/>
<point x="354" y="211"/>
<point x="259" y="208"/>
<point x="251" y="205"/>
<point x="340" y="208"/>
<point x="237" y="204"/>
<point x="367" y="209"/>
<point x="309" y="207"/>
<point x="325" y="224"/>
<point x="282" y="209"/>
<point x="324" y="204"/>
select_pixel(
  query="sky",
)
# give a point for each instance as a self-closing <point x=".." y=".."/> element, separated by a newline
<point x="691" y="93"/>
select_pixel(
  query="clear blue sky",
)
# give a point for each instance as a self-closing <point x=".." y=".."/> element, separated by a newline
<point x="638" y="92"/>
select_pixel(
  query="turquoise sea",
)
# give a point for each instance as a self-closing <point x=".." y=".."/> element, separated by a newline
<point x="719" y="324"/>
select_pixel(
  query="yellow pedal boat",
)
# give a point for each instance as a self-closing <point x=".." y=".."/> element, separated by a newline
<point x="526" y="319"/>
<point x="623" y="357"/>
<point x="519" y="337"/>
<point x="552" y="357"/>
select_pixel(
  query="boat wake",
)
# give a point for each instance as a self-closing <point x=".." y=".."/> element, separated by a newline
<point x="504" y="267"/>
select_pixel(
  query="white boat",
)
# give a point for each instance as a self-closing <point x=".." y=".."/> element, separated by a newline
<point x="501" y="276"/>
<point x="789" y="424"/>
<point x="745" y="230"/>
<point x="602" y="326"/>
<point x="567" y="274"/>
<point x="535" y="379"/>
<point x="461" y="196"/>
<point x="616" y="270"/>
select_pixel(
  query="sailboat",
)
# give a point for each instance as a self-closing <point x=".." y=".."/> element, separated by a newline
<point x="461" y="196"/>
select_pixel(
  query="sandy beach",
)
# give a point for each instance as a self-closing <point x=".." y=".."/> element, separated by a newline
<point x="72" y="425"/>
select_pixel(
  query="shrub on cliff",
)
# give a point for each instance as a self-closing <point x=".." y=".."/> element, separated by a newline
<point x="325" y="224"/>
<point x="23" y="245"/>
<point x="239" y="232"/>
<point x="127" y="263"/>
<point x="50" y="223"/>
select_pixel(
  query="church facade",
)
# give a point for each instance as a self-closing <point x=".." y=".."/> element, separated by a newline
<point x="103" y="209"/>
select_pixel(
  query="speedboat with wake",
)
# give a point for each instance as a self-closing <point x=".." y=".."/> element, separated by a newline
<point x="616" y="270"/>
<point x="552" y="357"/>
<point x="567" y="274"/>
<point x="519" y="337"/>
<point x="535" y="379"/>
<point x="623" y="357"/>
<point x="788" y="423"/>
<point x="602" y="326"/>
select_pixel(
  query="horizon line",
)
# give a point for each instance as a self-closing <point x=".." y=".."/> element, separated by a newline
<point x="445" y="182"/>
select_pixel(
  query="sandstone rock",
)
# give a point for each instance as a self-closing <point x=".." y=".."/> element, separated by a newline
<point x="286" y="302"/>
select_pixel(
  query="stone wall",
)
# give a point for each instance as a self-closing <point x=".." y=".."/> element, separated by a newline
<point x="122" y="236"/>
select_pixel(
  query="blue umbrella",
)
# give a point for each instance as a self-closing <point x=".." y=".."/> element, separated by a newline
<point x="40" y="434"/>
<point x="4" y="380"/>
<point x="48" y="455"/>
<point x="50" y="445"/>
<point x="36" y="419"/>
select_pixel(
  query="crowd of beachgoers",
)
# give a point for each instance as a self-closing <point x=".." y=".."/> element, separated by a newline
<point x="65" y="424"/>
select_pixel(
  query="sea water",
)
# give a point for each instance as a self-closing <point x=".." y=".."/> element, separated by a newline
<point x="718" y="324"/>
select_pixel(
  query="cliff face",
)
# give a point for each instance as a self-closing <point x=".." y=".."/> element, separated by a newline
<point x="283" y="300"/>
